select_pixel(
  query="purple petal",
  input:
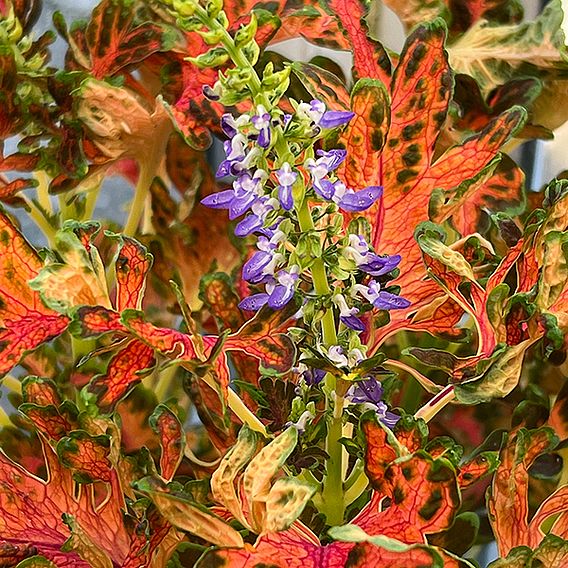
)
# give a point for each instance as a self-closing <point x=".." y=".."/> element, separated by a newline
<point x="324" y="188"/>
<point x="388" y="301"/>
<point x="353" y="322"/>
<point x="313" y="376"/>
<point x="264" y="138"/>
<point x="248" y="225"/>
<point x="253" y="303"/>
<point x="336" y="157"/>
<point x="389" y="419"/>
<point x="379" y="265"/>
<point x="219" y="200"/>
<point x="280" y="296"/>
<point x="210" y="94"/>
<point x="360" y="200"/>
<point x="333" y="118"/>
<point x="368" y="391"/>
<point x="285" y="197"/>
<point x="226" y="125"/>
<point x="241" y="205"/>
<point x="224" y="169"/>
<point x="254" y="266"/>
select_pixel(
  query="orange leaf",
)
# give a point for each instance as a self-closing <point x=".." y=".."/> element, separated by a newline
<point x="370" y="57"/>
<point x="407" y="167"/>
<point x="87" y="456"/>
<point x="508" y="496"/>
<point x="124" y="372"/>
<point x="132" y="265"/>
<point x="172" y="439"/>
<point x="113" y="38"/>
<point x="25" y="321"/>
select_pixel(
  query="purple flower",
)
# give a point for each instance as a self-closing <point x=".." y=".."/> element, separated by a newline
<point x="348" y="315"/>
<point x="286" y="178"/>
<point x="358" y="251"/>
<point x="355" y="201"/>
<point x="370" y="393"/>
<point x="210" y="93"/>
<point x="254" y="222"/>
<point x="320" y="168"/>
<point x="335" y="118"/>
<point x="282" y="292"/>
<point x="313" y="377"/>
<point x="253" y="303"/>
<point x="219" y="200"/>
<point x="279" y="291"/>
<point x="230" y="125"/>
<point x="367" y="391"/>
<point x="379" y="298"/>
<point x="261" y="122"/>
<point x="378" y="265"/>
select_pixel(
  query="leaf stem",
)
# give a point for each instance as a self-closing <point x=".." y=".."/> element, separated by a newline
<point x="436" y="403"/>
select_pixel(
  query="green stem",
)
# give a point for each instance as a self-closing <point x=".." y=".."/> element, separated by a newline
<point x="147" y="173"/>
<point x="332" y="495"/>
<point x="37" y="216"/>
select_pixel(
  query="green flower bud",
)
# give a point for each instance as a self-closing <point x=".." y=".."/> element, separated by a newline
<point x="213" y="58"/>
<point x="245" y="34"/>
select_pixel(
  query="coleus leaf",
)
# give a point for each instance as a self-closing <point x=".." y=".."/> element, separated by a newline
<point x="310" y="21"/>
<point x="166" y="424"/>
<point x="418" y="11"/>
<point x="370" y="57"/>
<point x="538" y="45"/>
<point x="190" y="240"/>
<point x="25" y="321"/>
<point x="69" y="526"/>
<point x="409" y="171"/>
<point x="115" y="37"/>
<point x="508" y="497"/>
<point x="467" y="12"/>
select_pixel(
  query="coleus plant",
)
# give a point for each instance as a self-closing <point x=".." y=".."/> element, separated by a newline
<point x="197" y="387"/>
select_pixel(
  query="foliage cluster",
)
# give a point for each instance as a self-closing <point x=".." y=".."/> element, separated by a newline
<point x="361" y="364"/>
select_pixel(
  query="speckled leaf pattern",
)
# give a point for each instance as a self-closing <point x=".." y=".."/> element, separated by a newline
<point x="189" y="516"/>
<point x="113" y="38"/>
<point x="323" y="85"/>
<point x="132" y="265"/>
<point x="425" y="499"/>
<point x="508" y="497"/>
<point x="87" y="456"/>
<point x="32" y="509"/>
<point x="25" y="322"/>
<point x="262" y="337"/>
<point x="420" y="93"/>
<point x="166" y="424"/>
<point x="224" y="479"/>
<point x="79" y="279"/>
<point x="310" y="20"/>
<point x="370" y="57"/>
<point x="125" y="370"/>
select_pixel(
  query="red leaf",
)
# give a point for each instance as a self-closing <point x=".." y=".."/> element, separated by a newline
<point x="114" y="38"/>
<point x="259" y="338"/>
<point x="370" y="58"/>
<point x="365" y="555"/>
<point x="313" y="24"/>
<point x="407" y="168"/>
<point x="31" y="512"/>
<point x="25" y="321"/>
<point x="172" y="440"/>
<point x="125" y="370"/>
<point x="87" y="456"/>
<point x="425" y="499"/>
<point x="378" y="452"/>
<point x="508" y="497"/>
<point x="132" y="265"/>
